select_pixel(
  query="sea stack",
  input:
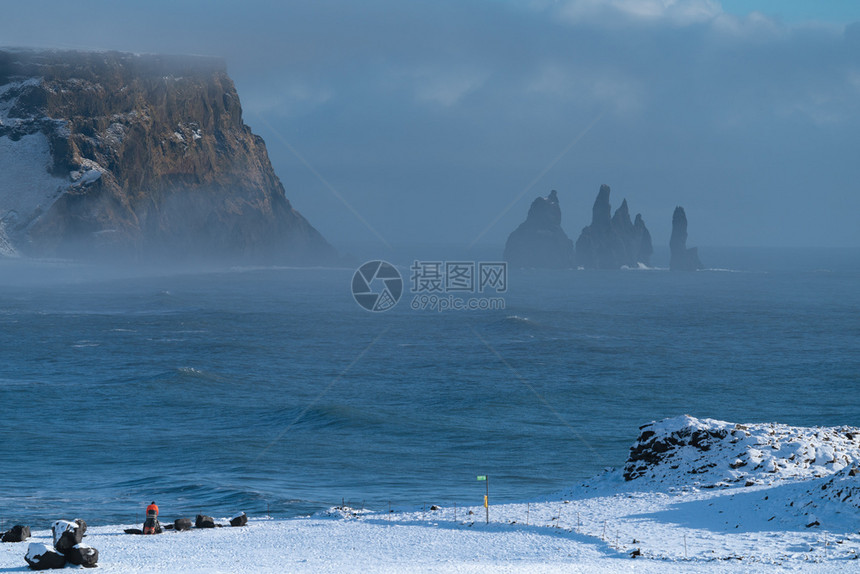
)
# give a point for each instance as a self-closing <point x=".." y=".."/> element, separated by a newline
<point x="682" y="258"/>
<point x="137" y="157"/>
<point x="540" y="241"/>
<point x="613" y="241"/>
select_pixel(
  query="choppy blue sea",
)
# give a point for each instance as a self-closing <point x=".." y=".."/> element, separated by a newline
<point x="272" y="391"/>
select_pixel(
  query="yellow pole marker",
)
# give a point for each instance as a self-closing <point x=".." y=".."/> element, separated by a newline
<point x="486" y="479"/>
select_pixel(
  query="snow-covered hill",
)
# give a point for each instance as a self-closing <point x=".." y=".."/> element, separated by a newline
<point x="707" y="453"/>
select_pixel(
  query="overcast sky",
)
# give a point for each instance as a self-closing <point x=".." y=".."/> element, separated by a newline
<point x="425" y="121"/>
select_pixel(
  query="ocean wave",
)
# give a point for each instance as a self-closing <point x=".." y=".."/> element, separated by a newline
<point x="194" y="372"/>
<point x="331" y="416"/>
<point x="518" y="320"/>
<point x="642" y="267"/>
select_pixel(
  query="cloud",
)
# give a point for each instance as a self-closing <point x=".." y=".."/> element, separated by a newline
<point x="607" y="12"/>
<point x="607" y="89"/>
<point x="444" y="86"/>
<point x="287" y="99"/>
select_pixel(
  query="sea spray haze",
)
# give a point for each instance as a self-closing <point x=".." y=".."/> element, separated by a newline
<point x="270" y="389"/>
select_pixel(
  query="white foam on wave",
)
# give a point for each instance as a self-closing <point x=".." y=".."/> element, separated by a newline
<point x="190" y="371"/>
<point x="519" y="320"/>
<point x="642" y="267"/>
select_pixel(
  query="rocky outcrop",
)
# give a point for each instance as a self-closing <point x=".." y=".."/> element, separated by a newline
<point x="682" y="258"/>
<point x="613" y="241"/>
<point x="540" y="241"/>
<point x="715" y="453"/>
<point x="122" y="154"/>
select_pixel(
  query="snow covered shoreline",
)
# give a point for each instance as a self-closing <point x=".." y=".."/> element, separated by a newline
<point x="709" y="497"/>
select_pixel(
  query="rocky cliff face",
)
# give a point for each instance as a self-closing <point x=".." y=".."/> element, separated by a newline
<point x="682" y="258"/>
<point x="540" y="241"/>
<point x="122" y="154"/>
<point x="613" y="241"/>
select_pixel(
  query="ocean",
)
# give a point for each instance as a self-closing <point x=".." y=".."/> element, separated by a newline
<point x="271" y="391"/>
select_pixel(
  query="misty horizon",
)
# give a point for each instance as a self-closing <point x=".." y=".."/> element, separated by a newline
<point x="440" y="124"/>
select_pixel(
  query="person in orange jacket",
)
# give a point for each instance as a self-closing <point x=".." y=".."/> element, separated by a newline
<point x="151" y="525"/>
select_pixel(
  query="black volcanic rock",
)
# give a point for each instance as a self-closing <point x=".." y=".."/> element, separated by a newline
<point x="540" y="241"/>
<point x="239" y="520"/>
<point x="83" y="555"/>
<point x="18" y="533"/>
<point x="204" y="521"/>
<point x="148" y="157"/>
<point x="65" y="535"/>
<point x="681" y="257"/>
<point x="613" y="241"/>
<point x="42" y="557"/>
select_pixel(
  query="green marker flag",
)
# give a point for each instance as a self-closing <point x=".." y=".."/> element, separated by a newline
<point x="482" y="478"/>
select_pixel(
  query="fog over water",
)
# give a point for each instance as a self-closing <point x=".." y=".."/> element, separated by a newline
<point x="427" y="120"/>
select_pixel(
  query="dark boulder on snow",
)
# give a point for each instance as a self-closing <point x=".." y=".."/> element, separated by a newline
<point x="66" y="535"/>
<point x="82" y="525"/>
<point x="42" y="557"/>
<point x="83" y="555"/>
<point x="682" y="258"/>
<point x="181" y="524"/>
<point x="239" y="520"/>
<point x="18" y="533"/>
<point x="540" y="241"/>
<point x="613" y="241"/>
<point x="203" y="521"/>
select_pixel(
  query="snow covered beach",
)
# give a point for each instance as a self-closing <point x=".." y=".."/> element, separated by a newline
<point x="708" y="496"/>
